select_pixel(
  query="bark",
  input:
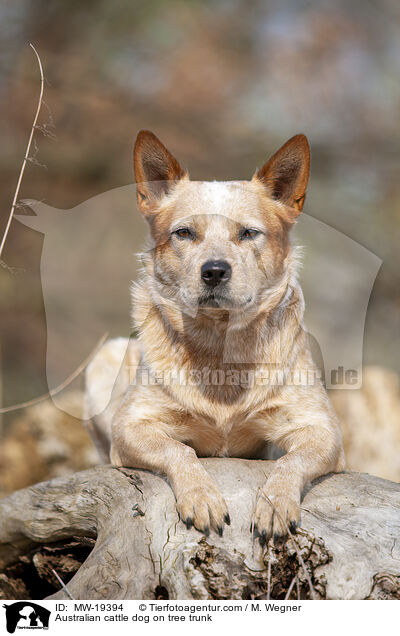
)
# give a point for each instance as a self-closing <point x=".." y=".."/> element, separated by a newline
<point x="125" y="522"/>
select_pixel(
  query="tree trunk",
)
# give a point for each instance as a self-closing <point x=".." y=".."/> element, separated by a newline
<point x="348" y="546"/>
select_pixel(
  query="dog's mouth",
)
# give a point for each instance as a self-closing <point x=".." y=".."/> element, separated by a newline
<point x="220" y="301"/>
<point x="212" y="300"/>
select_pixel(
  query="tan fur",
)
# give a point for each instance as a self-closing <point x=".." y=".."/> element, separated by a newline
<point x="370" y="418"/>
<point x="255" y="325"/>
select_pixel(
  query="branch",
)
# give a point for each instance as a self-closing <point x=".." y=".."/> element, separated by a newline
<point x="26" y="158"/>
<point x="346" y="546"/>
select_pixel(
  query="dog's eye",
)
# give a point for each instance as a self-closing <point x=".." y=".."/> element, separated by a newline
<point x="248" y="233"/>
<point x="184" y="233"/>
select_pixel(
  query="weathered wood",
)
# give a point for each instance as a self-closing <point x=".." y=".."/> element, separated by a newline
<point x="349" y="542"/>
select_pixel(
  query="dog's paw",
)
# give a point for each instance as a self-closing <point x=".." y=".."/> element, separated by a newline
<point x="277" y="510"/>
<point x="203" y="507"/>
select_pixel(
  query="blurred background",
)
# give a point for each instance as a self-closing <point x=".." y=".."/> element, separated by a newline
<point x="223" y="84"/>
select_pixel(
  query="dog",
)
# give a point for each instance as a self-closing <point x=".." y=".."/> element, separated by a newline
<point x="219" y="298"/>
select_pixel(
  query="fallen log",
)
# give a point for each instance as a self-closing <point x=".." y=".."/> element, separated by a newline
<point x="133" y="545"/>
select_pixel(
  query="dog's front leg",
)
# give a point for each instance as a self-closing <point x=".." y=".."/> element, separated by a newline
<point x="313" y="450"/>
<point x="149" y="445"/>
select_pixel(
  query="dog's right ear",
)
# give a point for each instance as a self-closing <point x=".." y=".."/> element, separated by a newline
<point x="156" y="171"/>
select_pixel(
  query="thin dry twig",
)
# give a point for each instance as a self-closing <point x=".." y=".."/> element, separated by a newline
<point x="26" y="158"/>
<point x="60" y="387"/>
<point x="59" y="579"/>
<point x="33" y="157"/>
<point x="47" y="128"/>
<point x="290" y="588"/>
<point x="269" y="580"/>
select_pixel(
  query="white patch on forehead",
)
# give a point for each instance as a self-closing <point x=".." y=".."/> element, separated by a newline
<point x="231" y="199"/>
<point x="237" y="201"/>
<point x="216" y="194"/>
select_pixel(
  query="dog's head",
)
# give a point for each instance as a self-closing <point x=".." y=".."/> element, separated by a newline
<point x="219" y="245"/>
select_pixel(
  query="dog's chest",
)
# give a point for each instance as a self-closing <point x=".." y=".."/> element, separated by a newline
<point x="222" y="427"/>
<point x="226" y="434"/>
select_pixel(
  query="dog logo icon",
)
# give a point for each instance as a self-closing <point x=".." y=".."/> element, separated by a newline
<point x="26" y="615"/>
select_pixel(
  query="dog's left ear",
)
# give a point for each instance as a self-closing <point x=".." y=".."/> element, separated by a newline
<point x="156" y="170"/>
<point x="286" y="174"/>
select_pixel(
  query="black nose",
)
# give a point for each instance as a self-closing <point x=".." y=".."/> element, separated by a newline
<point x="215" y="272"/>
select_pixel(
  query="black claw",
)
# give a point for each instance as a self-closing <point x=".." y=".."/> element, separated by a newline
<point x="189" y="522"/>
<point x="220" y="531"/>
<point x="207" y="531"/>
<point x="262" y="537"/>
<point x="278" y="538"/>
<point x="227" y="519"/>
<point x="293" y="527"/>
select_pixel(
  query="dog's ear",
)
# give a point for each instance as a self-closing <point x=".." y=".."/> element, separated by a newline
<point x="286" y="174"/>
<point x="156" y="170"/>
